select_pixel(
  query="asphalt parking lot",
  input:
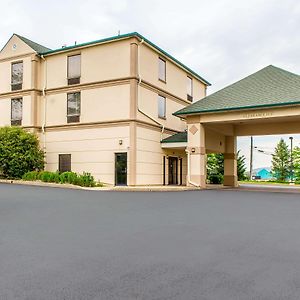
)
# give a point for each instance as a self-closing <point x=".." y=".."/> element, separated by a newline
<point x="73" y="244"/>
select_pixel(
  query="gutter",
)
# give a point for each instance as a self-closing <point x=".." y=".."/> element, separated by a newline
<point x="138" y="98"/>
<point x="45" y="102"/>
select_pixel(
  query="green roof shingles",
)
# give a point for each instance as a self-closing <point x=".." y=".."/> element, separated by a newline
<point x="35" y="46"/>
<point x="180" y="137"/>
<point x="268" y="87"/>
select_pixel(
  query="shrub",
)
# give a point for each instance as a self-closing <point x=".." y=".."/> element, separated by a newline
<point x="19" y="152"/>
<point x="45" y="176"/>
<point x="85" y="179"/>
<point x="215" y="178"/>
<point x="71" y="177"/>
<point x="31" y="176"/>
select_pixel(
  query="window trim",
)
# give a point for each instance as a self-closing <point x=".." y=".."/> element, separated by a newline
<point x="59" y="162"/>
<point x="76" y="79"/>
<point x="165" y="61"/>
<point x="165" y="107"/>
<point x="73" y="118"/>
<point x="190" y="97"/>
<point x="16" y="122"/>
<point x="18" y="85"/>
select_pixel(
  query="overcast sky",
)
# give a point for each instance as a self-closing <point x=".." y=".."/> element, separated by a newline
<point x="222" y="40"/>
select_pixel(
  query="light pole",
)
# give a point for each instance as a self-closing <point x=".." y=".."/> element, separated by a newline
<point x="291" y="174"/>
<point x="251" y="157"/>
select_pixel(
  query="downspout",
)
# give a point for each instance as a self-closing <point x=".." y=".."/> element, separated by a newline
<point x="138" y="98"/>
<point x="45" y="102"/>
<point x="189" y="169"/>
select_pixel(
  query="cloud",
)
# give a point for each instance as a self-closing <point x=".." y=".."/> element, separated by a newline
<point x="222" y="40"/>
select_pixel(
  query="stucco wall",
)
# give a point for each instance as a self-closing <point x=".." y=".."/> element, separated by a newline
<point x="5" y="111"/>
<point x="149" y="157"/>
<point x="176" y="78"/>
<point x="5" y="73"/>
<point x="92" y="149"/>
<point x="97" y="105"/>
<point x="98" y="63"/>
<point x="148" y="103"/>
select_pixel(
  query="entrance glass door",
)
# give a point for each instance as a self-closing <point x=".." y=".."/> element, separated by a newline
<point x="121" y="168"/>
<point x="173" y="173"/>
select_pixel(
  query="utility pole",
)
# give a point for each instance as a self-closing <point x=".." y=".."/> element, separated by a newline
<point x="291" y="174"/>
<point x="251" y="157"/>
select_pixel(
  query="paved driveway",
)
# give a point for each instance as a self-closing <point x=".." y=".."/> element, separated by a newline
<point x="218" y="245"/>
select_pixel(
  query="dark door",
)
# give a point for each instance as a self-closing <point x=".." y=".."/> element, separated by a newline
<point x="121" y="168"/>
<point x="173" y="166"/>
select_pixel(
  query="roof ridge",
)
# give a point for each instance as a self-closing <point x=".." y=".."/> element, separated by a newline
<point x="283" y="70"/>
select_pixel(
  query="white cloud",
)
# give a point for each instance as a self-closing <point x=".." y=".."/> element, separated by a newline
<point x="222" y="40"/>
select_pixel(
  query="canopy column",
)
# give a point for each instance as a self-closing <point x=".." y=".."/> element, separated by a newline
<point x="196" y="151"/>
<point x="230" y="162"/>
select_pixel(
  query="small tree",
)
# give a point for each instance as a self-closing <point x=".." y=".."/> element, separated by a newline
<point x="296" y="163"/>
<point x="215" y="167"/>
<point x="241" y="166"/>
<point x="281" y="161"/>
<point x="19" y="152"/>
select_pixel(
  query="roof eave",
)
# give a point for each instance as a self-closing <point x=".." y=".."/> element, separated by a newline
<point x="125" y="36"/>
<point x="189" y="113"/>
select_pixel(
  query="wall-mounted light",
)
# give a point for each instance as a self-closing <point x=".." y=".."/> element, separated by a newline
<point x="193" y="150"/>
<point x="120" y="142"/>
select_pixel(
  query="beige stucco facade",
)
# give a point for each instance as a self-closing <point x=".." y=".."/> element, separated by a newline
<point x="119" y="88"/>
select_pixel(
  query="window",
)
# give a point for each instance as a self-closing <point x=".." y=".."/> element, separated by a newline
<point x="162" y="69"/>
<point x="16" y="111"/>
<point x="16" y="76"/>
<point x="73" y="107"/>
<point x="189" y="88"/>
<point x="161" y="107"/>
<point x="64" y="163"/>
<point x="74" y="69"/>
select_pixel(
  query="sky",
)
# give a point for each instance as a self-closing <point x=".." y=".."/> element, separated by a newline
<point x="222" y="40"/>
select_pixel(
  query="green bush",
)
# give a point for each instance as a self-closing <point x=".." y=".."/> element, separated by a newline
<point x="85" y="179"/>
<point x="31" y="176"/>
<point x="19" y="152"/>
<point x="45" y="176"/>
<point x="215" y="178"/>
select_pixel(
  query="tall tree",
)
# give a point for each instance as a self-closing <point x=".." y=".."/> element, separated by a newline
<point x="281" y="161"/>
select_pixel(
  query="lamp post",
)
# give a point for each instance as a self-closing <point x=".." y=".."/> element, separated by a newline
<point x="251" y="157"/>
<point x="291" y="174"/>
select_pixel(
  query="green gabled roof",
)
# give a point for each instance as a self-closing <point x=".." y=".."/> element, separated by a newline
<point x="123" y="36"/>
<point x="180" y="137"/>
<point x="268" y="87"/>
<point x="35" y="46"/>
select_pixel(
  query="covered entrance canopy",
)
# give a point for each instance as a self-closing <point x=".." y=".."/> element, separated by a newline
<point x="266" y="102"/>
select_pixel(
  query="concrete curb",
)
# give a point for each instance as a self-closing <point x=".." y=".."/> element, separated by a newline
<point x="105" y="188"/>
<point x="39" y="183"/>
